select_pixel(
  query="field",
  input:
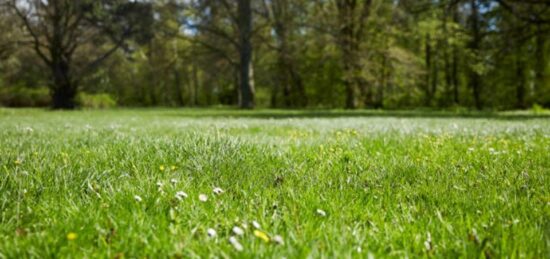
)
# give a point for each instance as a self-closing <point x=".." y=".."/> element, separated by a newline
<point x="337" y="184"/>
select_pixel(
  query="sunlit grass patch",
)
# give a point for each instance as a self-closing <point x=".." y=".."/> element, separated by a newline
<point x="151" y="183"/>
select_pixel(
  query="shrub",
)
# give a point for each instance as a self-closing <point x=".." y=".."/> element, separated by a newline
<point x="538" y="109"/>
<point x="96" y="101"/>
<point x="17" y="96"/>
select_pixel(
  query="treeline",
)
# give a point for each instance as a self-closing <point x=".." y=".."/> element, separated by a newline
<point x="276" y="53"/>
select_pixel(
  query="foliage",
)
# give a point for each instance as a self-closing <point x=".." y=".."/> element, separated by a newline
<point x="96" y="101"/>
<point x="24" y="97"/>
<point x="483" y="54"/>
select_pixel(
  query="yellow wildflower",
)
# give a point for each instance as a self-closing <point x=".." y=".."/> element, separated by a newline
<point x="261" y="235"/>
<point x="161" y="167"/>
<point x="173" y="167"/>
<point x="71" y="236"/>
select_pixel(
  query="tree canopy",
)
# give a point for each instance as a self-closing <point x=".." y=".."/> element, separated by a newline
<point x="482" y="54"/>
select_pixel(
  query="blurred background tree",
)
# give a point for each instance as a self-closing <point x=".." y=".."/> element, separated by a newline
<point x="480" y="54"/>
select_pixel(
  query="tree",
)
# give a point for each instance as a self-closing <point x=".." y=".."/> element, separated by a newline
<point x="282" y="14"/>
<point x="352" y="18"/>
<point x="534" y="14"/>
<point x="73" y="38"/>
<point x="219" y="24"/>
<point x="475" y="27"/>
<point x="245" y="51"/>
<point x="10" y="36"/>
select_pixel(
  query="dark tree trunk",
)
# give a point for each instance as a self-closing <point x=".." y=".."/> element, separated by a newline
<point x="520" y="79"/>
<point x="454" y="77"/>
<point x="274" y="92"/>
<point x="237" y="87"/>
<point x="300" y="95"/>
<point x="63" y="95"/>
<point x="195" y="97"/>
<point x="447" y="61"/>
<point x="289" y="80"/>
<point x="178" y="89"/>
<point x="63" y="88"/>
<point x="245" y="33"/>
<point x="454" y="73"/>
<point x="287" y="98"/>
<point x="540" y="61"/>
<point x="435" y="80"/>
<point x="475" y="44"/>
<point x="384" y="74"/>
<point x="283" y="63"/>
<point x="476" y="88"/>
<point x="428" y="57"/>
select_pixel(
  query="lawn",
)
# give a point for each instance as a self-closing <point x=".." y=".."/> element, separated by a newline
<point x="294" y="184"/>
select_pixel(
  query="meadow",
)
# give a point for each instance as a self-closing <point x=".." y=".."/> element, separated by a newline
<point x="278" y="184"/>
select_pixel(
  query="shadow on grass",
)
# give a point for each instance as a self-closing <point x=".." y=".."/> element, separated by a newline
<point x="309" y="113"/>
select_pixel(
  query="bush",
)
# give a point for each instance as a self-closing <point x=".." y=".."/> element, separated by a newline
<point x="96" y="101"/>
<point x="24" y="97"/>
<point x="538" y="109"/>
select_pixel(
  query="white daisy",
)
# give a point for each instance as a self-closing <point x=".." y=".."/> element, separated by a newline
<point x="217" y="191"/>
<point x="181" y="195"/>
<point x="211" y="232"/>
<point x="428" y="242"/>
<point x="321" y="212"/>
<point x="238" y="231"/>
<point x="278" y="240"/>
<point x="236" y="244"/>
<point x="203" y="197"/>
<point x="256" y="225"/>
<point x="138" y="199"/>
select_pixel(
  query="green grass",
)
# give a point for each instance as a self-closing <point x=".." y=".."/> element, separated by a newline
<point x="477" y="184"/>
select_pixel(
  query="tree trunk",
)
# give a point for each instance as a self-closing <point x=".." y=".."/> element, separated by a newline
<point x="298" y="86"/>
<point x="454" y="77"/>
<point x="435" y="78"/>
<point x="384" y="74"/>
<point x="520" y="89"/>
<point x="245" y="49"/>
<point x="63" y="95"/>
<point x="540" y="61"/>
<point x="236" y="86"/>
<point x="284" y="78"/>
<point x="454" y="73"/>
<point x="274" y="92"/>
<point x="177" y="87"/>
<point x="63" y="87"/>
<point x="447" y="61"/>
<point x="289" y="80"/>
<point x="292" y="86"/>
<point x="195" y="85"/>
<point x="428" y="56"/>
<point x="475" y="44"/>
<point x="351" y="66"/>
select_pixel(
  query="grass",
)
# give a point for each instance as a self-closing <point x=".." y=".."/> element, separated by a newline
<point x="391" y="184"/>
